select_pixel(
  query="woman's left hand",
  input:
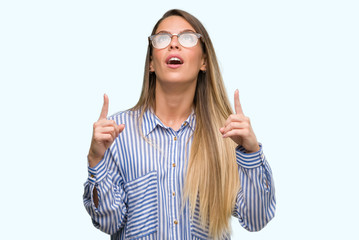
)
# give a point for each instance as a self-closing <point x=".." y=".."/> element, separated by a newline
<point x="239" y="129"/>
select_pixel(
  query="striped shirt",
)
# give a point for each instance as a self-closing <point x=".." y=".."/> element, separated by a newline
<point x="140" y="181"/>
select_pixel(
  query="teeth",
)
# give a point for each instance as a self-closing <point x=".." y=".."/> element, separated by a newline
<point x="175" y="60"/>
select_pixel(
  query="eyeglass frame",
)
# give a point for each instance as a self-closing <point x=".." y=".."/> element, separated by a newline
<point x="150" y="38"/>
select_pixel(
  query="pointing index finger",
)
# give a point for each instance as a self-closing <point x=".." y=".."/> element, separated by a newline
<point x="237" y="103"/>
<point x="104" y="110"/>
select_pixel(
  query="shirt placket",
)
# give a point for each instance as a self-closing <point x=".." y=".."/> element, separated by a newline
<point x="173" y="185"/>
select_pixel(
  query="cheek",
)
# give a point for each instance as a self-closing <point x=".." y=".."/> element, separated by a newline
<point x="198" y="56"/>
<point x="155" y="61"/>
<point x="198" y="59"/>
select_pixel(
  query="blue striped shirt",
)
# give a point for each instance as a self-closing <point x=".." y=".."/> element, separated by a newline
<point x="140" y="183"/>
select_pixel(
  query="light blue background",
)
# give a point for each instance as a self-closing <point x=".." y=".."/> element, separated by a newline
<point x="295" y="63"/>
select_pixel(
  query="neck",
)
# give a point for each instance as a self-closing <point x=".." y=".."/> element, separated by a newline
<point x="174" y="102"/>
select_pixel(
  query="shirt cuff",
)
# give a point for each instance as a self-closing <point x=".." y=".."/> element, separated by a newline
<point x="249" y="160"/>
<point x="97" y="173"/>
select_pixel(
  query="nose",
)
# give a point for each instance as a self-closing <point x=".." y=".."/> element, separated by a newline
<point x="174" y="44"/>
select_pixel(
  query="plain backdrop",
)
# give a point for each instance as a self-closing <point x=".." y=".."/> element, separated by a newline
<point x="295" y="63"/>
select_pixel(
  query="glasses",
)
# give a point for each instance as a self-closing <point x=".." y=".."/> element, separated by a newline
<point x="186" y="39"/>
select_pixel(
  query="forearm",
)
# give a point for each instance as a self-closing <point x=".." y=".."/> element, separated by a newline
<point x="104" y="199"/>
<point x="256" y="200"/>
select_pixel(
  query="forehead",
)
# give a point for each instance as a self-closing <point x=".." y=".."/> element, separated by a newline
<point x="174" y="24"/>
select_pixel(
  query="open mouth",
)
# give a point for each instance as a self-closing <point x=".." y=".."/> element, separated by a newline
<point x="174" y="61"/>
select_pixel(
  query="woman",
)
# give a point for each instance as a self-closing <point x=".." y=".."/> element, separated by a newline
<point x="179" y="163"/>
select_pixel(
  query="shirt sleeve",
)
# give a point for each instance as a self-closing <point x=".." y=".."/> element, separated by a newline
<point x="255" y="205"/>
<point x="111" y="212"/>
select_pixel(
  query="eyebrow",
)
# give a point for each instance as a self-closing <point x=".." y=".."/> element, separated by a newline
<point x="186" y="30"/>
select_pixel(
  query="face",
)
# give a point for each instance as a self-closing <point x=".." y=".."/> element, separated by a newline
<point x="176" y="63"/>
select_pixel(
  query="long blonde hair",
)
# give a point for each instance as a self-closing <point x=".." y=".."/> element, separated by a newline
<point x="212" y="172"/>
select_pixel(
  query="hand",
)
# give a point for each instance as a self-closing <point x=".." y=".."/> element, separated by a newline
<point x="104" y="134"/>
<point x="239" y="129"/>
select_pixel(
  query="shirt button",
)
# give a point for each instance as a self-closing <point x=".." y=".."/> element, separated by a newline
<point x="175" y="138"/>
<point x="173" y="194"/>
<point x="175" y="222"/>
<point x="92" y="176"/>
<point x="185" y="124"/>
<point x="173" y="165"/>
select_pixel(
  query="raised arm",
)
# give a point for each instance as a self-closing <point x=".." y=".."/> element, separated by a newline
<point x="104" y="197"/>
<point x="255" y="205"/>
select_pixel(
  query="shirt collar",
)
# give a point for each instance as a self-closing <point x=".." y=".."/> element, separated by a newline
<point x="150" y="121"/>
<point x="191" y="120"/>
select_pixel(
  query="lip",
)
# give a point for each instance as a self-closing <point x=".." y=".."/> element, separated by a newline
<point x="174" y="65"/>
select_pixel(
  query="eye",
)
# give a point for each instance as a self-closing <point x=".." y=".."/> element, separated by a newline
<point x="161" y="38"/>
<point x="188" y="37"/>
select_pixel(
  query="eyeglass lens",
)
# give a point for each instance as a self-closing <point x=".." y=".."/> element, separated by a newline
<point x="162" y="40"/>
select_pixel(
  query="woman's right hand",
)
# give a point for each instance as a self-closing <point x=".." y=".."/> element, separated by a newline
<point x="104" y="134"/>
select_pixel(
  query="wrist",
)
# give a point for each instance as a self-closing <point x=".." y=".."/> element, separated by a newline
<point x="253" y="149"/>
<point x="93" y="160"/>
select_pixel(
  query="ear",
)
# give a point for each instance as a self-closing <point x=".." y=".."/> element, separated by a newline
<point x="151" y="66"/>
<point x="204" y="61"/>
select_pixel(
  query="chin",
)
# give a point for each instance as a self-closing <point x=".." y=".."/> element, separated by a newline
<point x="178" y="80"/>
<point x="178" y="77"/>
